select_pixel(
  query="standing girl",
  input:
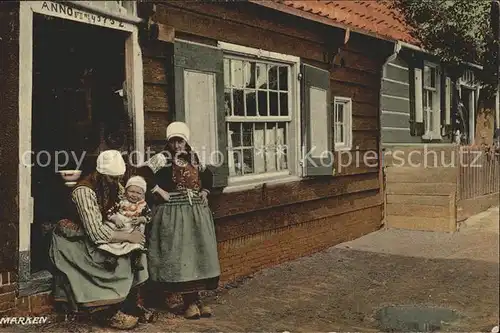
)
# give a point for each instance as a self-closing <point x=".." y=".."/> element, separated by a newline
<point x="182" y="245"/>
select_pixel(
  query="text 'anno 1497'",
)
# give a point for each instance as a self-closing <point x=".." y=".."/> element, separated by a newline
<point x="80" y="15"/>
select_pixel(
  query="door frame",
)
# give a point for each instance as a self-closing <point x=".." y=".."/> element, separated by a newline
<point x="134" y="93"/>
<point x="472" y="108"/>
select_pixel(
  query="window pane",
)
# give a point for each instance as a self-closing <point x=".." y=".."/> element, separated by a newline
<point x="227" y="102"/>
<point x="251" y="103"/>
<point x="273" y="77"/>
<point x="260" y="145"/>
<point x="263" y="147"/>
<point x="238" y="107"/>
<point x="283" y="104"/>
<point x="283" y="78"/>
<point x="248" y="161"/>
<point x="261" y="81"/>
<point x="342" y="133"/>
<point x="270" y="147"/>
<point x="338" y="133"/>
<point x="431" y="121"/>
<point x="262" y="103"/>
<point x="429" y="77"/>
<point x="340" y="113"/>
<point x="227" y="73"/>
<point x="237" y="73"/>
<point x="248" y="134"/>
<point x="433" y="77"/>
<point x="281" y="148"/>
<point x="237" y="170"/>
<point x="234" y="135"/>
<point x="249" y="74"/>
<point x="430" y="99"/>
<point x="273" y="103"/>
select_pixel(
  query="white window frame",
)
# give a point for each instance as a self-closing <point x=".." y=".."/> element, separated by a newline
<point x="134" y="92"/>
<point x="239" y="183"/>
<point x="466" y="85"/>
<point x="346" y="143"/>
<point x="432" y="133"/>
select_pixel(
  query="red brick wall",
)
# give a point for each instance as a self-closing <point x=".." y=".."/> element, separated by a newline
<point x="8" y="288"/>
<point x="246" y="255"/>
<point x="10" y="304"/>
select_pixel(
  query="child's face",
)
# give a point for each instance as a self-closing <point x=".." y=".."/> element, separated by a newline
<point x="134" y="193"/>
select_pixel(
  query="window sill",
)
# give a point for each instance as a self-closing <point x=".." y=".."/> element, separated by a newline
<point x="343" y="148"/>
<point x="252" y="184"/>
<point x="432" y="136"/>
<point x="39" y="282"/>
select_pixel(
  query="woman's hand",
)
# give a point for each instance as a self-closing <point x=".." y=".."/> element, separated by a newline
<point x="119" y="224"/>
<point x="117" y="221"/>
<point x="137" y="237"/>
<point x="204" y="197"/>
<point x="163" y="194"/>
<point x="138" y="220"/>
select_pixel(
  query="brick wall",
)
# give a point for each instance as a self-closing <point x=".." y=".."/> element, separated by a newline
<point x="246" y="255"/>
<point x="8" y="288"/>
<point x="10" y="304"/>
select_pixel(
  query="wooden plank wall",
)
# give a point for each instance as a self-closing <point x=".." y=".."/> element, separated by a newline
<point x="9" y="138"/>
<point x="271" y="224"/>
<point x="157" y="92"/>
<point x="478" y="181"/>
<point x="395" y="104"/>
<point x="421" y="188"/>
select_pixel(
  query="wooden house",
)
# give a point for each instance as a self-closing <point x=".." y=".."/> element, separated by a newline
<point x="433" y="177"/>
<point x="247" y="77"/>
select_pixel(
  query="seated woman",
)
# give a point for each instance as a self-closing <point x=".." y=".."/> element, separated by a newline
<point x="82" y="280"/>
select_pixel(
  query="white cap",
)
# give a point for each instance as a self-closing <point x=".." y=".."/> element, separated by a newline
<point x="178" y="129"/>
<point x="137" y="181"/>
<point x="111" y="163"/>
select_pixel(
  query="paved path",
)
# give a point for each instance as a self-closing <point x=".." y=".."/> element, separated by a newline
<point x="342" y="288"/>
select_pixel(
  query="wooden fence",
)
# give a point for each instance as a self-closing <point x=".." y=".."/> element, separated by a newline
<point x="479" y="173"/>
<point x="478" y="181"/>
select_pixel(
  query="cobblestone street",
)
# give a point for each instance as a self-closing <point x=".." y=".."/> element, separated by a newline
<point x="342" y="288"/>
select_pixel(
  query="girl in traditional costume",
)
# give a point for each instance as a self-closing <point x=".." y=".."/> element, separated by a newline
<point x="182" y="246"/>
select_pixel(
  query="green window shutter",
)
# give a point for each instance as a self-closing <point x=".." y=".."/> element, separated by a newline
<point x="317" y="128"/>
<point x="194" y="60"/>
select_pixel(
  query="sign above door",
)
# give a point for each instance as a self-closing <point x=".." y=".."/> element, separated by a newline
<point x="111" y="16"/>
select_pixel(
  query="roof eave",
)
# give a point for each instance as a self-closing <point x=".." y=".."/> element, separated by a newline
<point x="317" y="18"/>
<point x="419" y="49"/>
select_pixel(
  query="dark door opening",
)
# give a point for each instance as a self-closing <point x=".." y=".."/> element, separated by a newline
<point x="468" y="111"/>
<point x="77" y="69"/>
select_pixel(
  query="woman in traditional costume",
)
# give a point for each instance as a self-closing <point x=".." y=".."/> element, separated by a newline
<point x="82" y="280"/>
<point x="182" y="245"/>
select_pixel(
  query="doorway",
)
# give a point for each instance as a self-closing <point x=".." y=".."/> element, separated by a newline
<point x="77" y="111"/>
<point x="467" y="116"/>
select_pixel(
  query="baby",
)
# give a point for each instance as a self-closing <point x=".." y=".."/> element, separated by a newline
<point x="130" y="214"/>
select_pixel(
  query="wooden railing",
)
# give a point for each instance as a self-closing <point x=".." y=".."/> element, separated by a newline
<point x="478" y="173"/>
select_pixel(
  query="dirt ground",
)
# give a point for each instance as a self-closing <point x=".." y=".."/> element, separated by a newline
<point x="342" y="288"/>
